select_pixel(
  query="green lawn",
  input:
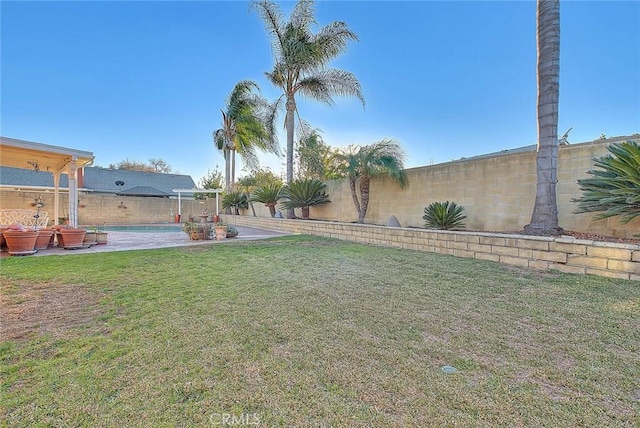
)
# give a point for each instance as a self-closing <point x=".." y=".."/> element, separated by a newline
<point x="303" y="331"/>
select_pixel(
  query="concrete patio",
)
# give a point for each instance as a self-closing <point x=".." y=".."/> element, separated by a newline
<point x="138" y="240"/>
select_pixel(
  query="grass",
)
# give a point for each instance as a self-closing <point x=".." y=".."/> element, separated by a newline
<point x="302" y="331"/>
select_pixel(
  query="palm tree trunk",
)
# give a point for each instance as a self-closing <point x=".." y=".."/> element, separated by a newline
<point x="290" y="124"/>
<point x="233" y="168"/>
<point x="305" y="213"/>
<point x="354" y="195"/>
<point x="544" y="219"/>
<point x="227" y="171"/>
<point x="365" y="182"/>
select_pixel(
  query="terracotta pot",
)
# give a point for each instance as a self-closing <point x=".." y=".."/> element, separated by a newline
<point x="44" y="237"/>
<point x="20" y="242"/>
<point x="3" y="243"/>
<point x="71" y="239"/>
<point x="196" y="236"/>
<point x="221" y="233"/>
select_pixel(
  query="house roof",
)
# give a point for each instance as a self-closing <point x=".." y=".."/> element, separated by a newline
<point x="140" y="183"/>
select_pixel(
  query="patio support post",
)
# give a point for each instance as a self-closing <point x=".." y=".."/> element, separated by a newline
<point x="179" y="205"/>
<point x="56" y="197"/>
<point x="73" y="192"/>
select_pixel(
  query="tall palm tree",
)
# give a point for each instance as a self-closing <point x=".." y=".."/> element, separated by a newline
<point x="544" y="219"/>
<point x="359" y="164"/>
<point x="301" y="59"/>
<point x="244" y="129"/>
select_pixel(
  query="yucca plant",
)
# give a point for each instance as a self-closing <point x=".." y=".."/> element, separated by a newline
<point x="444" y="215"/>
<point x="268" y="194"/>
<point x="237" y="200"/>
<point x="304" y="194"/>
<point x="614" y="190"/>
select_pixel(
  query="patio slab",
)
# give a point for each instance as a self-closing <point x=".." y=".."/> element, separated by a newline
<point x="137" y="240"/>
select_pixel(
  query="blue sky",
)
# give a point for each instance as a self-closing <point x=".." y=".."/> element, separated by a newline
<point x="452" y="79"/>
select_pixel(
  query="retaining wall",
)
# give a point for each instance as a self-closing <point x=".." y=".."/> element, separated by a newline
<point x="564" y="254"/>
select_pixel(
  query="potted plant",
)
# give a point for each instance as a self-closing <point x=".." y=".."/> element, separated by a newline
<point x="232" y="231"/>
<point x="197" y="231"/>
<point x="221" y="231"/>
<point x="20" y="240"/>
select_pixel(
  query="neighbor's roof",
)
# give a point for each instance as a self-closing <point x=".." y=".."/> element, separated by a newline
<point x="103" y="180"/>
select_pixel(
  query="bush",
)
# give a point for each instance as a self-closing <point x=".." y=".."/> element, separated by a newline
<point x="614" y="189"/>
<point x="444" y="216"/>
<point x="304" y="194"/>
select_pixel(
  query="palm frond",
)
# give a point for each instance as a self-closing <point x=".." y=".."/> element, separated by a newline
<point x="614" y="189"/>
<point x="304" y="193"/>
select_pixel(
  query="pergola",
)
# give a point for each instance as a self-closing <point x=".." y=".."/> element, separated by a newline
<point x="52" y="159"/>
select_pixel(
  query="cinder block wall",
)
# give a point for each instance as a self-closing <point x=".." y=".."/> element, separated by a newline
<point x="537" y="252"/>
<point x="498" y="194"/>
<point x="100" y="209"/>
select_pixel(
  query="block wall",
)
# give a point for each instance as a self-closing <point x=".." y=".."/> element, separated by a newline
<point x="562" y="254"/>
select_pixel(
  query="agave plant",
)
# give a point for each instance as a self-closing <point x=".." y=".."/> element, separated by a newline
<point x="268" y="194"/>
<point x="237" y="200"/>
<point x="304" y="194"/>
<point x="444" y="215"/>
<point x="615" y="188"/>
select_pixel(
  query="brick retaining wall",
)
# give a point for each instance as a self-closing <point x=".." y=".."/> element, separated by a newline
<point x="565" y="254"/>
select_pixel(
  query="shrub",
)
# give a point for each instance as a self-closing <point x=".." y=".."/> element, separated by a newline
<point x="304" y="194"/>
<point x="614" y="189"/>
<point x="268" y="194"/>
<point x="444" y="215"/>
<point x="237" y="200"/>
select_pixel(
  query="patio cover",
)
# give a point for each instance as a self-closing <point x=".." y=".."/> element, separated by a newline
<point x="48" y="159"/>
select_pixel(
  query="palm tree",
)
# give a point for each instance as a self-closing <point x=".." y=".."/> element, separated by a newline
<point x="301" y="59"/>
<point x="244" y="129"/>
<point x="268" y="194"/>
<point x="544" y="219"/>
<point x="359" y="164"/>
<point x="304" y="194"/>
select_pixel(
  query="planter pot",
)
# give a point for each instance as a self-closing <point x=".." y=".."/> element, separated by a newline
<point x="90" y="239"/>
<point x="101" y="237"/>
<point x="221" y="232"/>
<point x="44" y="238"/>
<point x="196" y="236"/>
<point x="176" y="218"/>
<point x="20" y="243"/>
<point x="3" y="243"/>
<point x="231" y="234"/>
<point x="71" y="239"/>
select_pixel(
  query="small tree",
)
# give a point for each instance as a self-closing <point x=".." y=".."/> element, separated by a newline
<point x="213" y="180"/>
<point x="237" y="200"/>
<point x="268" y="194"/>
<point x="304" y="194"/>
<point x="359" y="164"/>
<point x="614" y="190"/>
<point x="154" y="165"/>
